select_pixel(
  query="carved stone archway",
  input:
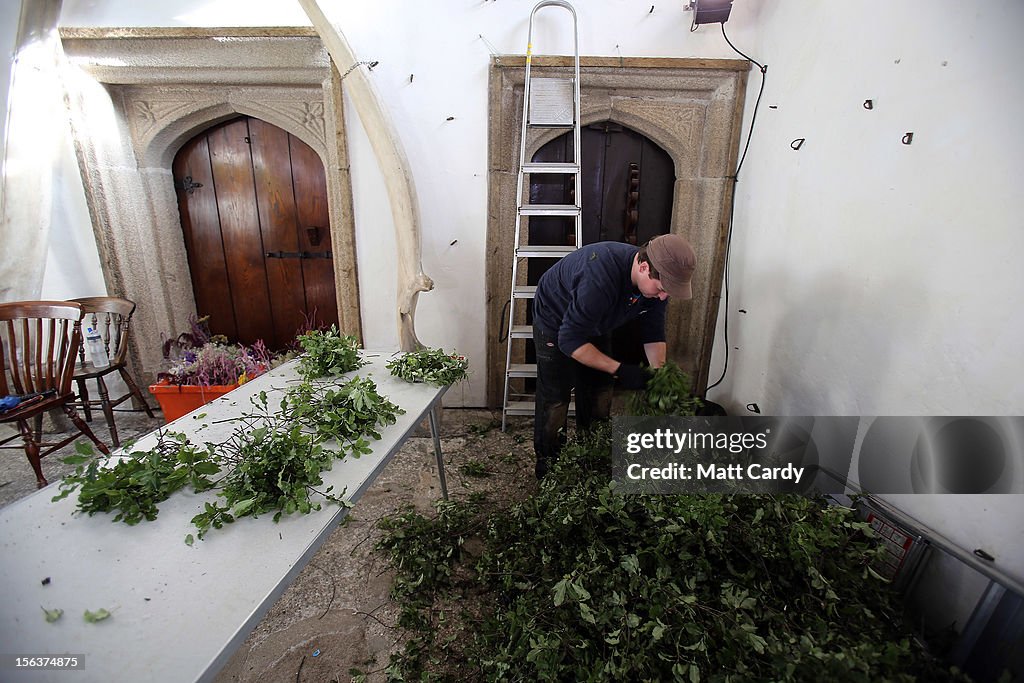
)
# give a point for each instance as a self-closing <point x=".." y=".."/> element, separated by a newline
<point x="693" y="109"/>
<point x="136" y="95"/>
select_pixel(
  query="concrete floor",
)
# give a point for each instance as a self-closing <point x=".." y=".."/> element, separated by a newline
<point x="336" y="615"/>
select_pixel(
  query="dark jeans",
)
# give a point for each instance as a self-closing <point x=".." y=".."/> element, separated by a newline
<point x="557" y="375"/>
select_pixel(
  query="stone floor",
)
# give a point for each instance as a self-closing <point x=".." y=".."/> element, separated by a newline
<point x="16" y="477"/>
<point x="336" y="615"/>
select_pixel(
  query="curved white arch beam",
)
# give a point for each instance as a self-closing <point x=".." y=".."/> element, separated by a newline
<point x="393" y="165"/>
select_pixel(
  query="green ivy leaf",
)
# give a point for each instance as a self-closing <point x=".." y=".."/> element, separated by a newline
<point x="98" y="615"/>
<point x="52" y="615"/>
<point x="559" y="592"/>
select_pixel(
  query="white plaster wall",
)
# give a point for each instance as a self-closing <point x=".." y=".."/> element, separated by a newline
<point x="878" y="278"/>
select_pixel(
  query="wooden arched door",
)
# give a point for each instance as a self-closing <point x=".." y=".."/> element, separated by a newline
<point x="253" y="204"/>
<point x="628" y="183"/>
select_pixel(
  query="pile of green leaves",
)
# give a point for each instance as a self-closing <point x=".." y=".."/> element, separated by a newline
<point x="425" y="551"/>
<point x="668" y="392"/>
<point x="278" y="457"/>
<point x="328" y="353"/>
<point x="276" y="472"/>
<point x="580" y="583"/>
<point x="273" y="461"/>
<point x="347" y="413"/>
<point x="139" y="480"/>
<point x="432" y="366"/>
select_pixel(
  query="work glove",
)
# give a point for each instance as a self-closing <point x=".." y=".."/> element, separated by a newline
<point x="632" y="376"/>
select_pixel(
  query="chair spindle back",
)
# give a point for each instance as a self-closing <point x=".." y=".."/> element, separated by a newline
<point x="38" y="344"/>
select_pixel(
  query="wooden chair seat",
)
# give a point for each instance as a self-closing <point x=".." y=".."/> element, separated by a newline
<point x="90" y="371"/>
<point x="21" y="412"/>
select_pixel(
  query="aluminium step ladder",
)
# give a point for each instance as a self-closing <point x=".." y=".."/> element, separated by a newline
<point x="548" y="102"/>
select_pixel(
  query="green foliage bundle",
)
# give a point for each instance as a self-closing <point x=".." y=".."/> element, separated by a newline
<point x="433" y="366"/>
<point x="276" y="471"/>
<point x="138" y="481"/>
<point x="668" y="392"/>
<point x="278" y="457"/>
<point x="580" y="583"/>
<point x="328" y="353"/>
<point x="272" y="462"/>
<point x="347" y="413"/>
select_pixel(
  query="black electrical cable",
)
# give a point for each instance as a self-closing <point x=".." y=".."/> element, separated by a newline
<point x="732" y="203"/>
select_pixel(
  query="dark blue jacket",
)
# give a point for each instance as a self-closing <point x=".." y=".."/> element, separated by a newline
<point x="589" y="293"/>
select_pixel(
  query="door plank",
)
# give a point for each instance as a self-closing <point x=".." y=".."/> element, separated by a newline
<point x="310" y="184"/>
<point x="276" y="205"/>
<point x="620" y="149"/>
<point x="203" y="243"/>
<point x="657" y="186"/>
<point x="231" y="160"/>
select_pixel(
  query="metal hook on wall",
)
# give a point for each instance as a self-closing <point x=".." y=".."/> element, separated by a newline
<point x="908" y="138"/>
<point x="796" y="144"/>
<point x="869" y="104"/>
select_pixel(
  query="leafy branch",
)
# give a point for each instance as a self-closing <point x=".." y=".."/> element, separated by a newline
<point x="432" y="366"/>
<point x="139" y="481"/>
<point x="273" y="461"/>
<point x="328" y="353"/>
<point x="668" y="392"/>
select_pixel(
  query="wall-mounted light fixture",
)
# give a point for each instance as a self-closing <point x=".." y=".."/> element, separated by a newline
<point x="709" y="11"/>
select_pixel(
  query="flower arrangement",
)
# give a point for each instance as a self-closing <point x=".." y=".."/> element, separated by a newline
<point x="198" y="358"/>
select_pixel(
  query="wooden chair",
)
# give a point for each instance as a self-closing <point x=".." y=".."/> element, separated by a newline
<point x="111" y="317"/>
<point x="38" y="344"/>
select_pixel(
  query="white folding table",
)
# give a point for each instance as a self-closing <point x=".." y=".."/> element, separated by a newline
<point x="178" y="612"/>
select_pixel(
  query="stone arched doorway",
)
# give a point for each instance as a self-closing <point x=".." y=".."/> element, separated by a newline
<point x="137" y="95"/>
<point x="692" y="109"/>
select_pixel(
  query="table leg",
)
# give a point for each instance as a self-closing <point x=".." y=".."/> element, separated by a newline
<point x="436" y="433"/>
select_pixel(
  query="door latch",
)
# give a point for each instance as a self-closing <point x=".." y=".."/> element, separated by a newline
<point x="299" y="254"/>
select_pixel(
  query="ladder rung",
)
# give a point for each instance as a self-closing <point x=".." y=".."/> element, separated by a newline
<point x="527" y="408"/>
<point x="522" y="370"/>
<point x="524" y="292"/>
<point x="544" y="251"/>
<point x="549" y="210"/>
<point x="567" y="126"/>
<point x="522" y="332"/>
<point x="550" y="167"/>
